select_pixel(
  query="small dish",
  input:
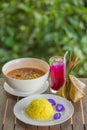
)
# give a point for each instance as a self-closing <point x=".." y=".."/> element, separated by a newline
<point x="14" y="92"/>
<point x="21" y="105"/>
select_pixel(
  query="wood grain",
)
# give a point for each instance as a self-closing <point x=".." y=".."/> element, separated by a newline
<point x="77" y="122"/>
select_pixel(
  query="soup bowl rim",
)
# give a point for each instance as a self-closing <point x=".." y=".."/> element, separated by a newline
<point x="19" y="59"/>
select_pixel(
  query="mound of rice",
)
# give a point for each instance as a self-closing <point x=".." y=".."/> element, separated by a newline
<point x="40" y="108"/>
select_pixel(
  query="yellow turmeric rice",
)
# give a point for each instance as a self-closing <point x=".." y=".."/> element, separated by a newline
<point x="40" y="108"/>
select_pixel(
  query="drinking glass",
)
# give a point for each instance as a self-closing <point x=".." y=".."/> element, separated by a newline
<point x="57" y="73"/>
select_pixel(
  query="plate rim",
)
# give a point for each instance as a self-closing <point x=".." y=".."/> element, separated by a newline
<point x="11" y="91"/>
<point x="41" y="123"/>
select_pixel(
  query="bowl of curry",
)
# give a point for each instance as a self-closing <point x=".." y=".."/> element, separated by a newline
<point x="26" y="74"/>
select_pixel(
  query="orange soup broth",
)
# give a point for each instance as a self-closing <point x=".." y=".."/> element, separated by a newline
<point x="26" y="73"/>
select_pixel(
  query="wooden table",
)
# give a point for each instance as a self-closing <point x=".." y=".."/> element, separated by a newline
<point x="9" y="122"/>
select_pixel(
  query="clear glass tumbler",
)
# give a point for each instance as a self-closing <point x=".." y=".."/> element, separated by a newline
<point x="57" y="73"/>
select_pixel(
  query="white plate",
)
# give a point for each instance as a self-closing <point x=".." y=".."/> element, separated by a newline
<point x="14" y="92"/>
<point x="22" y="104"/>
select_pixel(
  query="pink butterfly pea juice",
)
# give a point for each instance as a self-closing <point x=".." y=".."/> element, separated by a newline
<point x="57" y="73"/>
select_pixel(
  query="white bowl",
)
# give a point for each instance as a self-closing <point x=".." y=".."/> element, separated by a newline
<point x="26" y="85"/>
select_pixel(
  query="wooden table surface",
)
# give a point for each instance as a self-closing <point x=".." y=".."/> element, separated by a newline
<point x="9" y="122"/>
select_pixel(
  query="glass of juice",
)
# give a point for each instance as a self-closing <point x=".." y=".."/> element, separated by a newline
<point x="57" y="73"/>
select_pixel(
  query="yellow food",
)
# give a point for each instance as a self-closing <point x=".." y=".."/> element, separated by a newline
<point x="40" y="108"/>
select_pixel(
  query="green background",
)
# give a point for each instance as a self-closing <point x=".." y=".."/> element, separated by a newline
<point x="43" y="28"/>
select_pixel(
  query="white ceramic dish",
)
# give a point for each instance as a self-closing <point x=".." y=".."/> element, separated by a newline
<point x="14" y="92"/>
<point x="22" y="104"/>
<point x="29" y="84"/>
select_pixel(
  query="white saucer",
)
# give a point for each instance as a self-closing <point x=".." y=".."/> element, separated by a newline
<point x="14" y="92"/>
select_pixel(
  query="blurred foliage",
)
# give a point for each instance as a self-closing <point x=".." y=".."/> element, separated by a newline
<point x="43" y="28"/>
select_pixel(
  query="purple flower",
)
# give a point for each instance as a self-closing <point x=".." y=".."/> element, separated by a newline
<point x="52" y="101"/>
<point x="57" y="116"/>
<point x="60" y="108"/>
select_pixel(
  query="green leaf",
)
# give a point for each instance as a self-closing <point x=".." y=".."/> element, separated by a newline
<point x="23" y="7"/>
<point x="9" y="42"/>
